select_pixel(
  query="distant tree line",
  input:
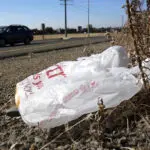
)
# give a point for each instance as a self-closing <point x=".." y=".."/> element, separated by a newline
<point x="50" y="30"/>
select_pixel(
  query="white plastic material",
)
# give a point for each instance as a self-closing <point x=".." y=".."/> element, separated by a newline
<point x="67" y="90"/>
<point x="115" y="56"/>
<point x="146" y="68"/>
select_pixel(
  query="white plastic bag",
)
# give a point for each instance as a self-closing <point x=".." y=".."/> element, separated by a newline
<point x="115" y="56"/>
<point x="146" y="69"/>
<point x="67" y="90"/>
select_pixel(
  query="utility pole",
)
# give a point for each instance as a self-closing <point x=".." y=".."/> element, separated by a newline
<point x="122" y="21"/>
<point x="65" y="13"/>
<point x="43" y="30"/>
<point x="65" y="2"/>
<point x="88" y="18"/>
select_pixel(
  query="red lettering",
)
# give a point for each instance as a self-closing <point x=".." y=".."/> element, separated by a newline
<point x="76" y="92"/>
<point x="94" y="84"/>
<point x="37" y="81"/>
<point x="39" y="84"/>
<point x="55" y="72"/>
<point x="84" y="88"/>
<point x="52" y="115"/>
<point x="37" y="76"/>
<point x="70" y="95"/>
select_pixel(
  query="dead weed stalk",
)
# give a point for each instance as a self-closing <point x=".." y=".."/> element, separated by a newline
<point x="135" y="35"/>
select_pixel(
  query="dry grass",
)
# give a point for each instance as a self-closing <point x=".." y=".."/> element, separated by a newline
<point x="57" y="36"/>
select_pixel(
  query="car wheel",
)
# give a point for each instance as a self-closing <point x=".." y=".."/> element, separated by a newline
<point x="2" y="42"/>
<point x="12" y="44"/>
<point x="27" y="41"/>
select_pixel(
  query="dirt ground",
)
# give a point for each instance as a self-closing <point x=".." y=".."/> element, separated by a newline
<point x="128" y="131"/>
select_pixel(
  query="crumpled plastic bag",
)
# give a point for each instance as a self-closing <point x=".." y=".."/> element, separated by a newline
<point x="69" y="89"/>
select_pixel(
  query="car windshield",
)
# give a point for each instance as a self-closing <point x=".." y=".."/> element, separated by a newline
<point x="2" y="29"/>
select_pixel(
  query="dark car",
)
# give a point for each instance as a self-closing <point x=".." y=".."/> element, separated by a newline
<point x="15" y="34"/>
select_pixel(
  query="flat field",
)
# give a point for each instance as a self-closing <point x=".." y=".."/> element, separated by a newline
<point x="57" y="36"/>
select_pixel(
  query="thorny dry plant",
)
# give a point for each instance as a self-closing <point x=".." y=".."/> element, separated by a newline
<point x="135" y="35"/>
<point x="139" y="26"/>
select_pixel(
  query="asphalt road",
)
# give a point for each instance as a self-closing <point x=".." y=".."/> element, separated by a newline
<point x="47" y="45"/>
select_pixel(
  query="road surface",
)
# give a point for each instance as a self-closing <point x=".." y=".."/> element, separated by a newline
<point x="47" y="45"/>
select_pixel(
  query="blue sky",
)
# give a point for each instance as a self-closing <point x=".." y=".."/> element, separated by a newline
<point x="34" y="12"/>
